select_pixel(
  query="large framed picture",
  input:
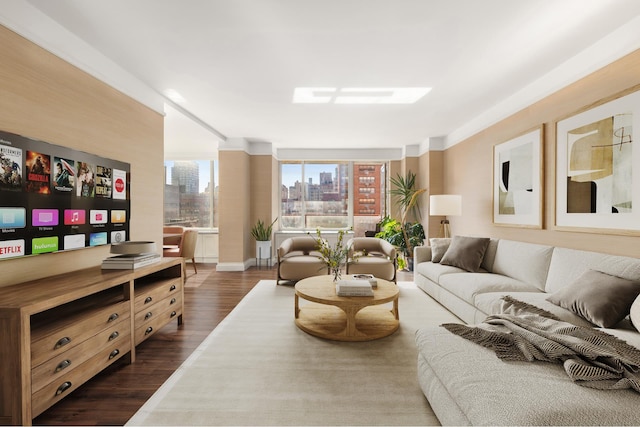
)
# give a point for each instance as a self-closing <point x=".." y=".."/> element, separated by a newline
<point x="517" y="180"/>
<point x="597" y="188"/>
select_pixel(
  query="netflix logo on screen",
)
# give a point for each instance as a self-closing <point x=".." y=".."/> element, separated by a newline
<point x="11" y="248"/>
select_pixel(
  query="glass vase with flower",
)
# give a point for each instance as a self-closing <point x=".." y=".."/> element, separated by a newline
<point x="334" y="256"/>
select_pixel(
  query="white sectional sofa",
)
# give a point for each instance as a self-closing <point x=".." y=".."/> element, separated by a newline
<point x="466" y="384"/>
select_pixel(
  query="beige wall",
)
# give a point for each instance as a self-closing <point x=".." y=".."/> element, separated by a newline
<point x="261" y="194"/>
<point x="234" y="200"/>
<point x="45" y="98"/>
<point x="468" y="165"/>
<point x="431" y="176"/>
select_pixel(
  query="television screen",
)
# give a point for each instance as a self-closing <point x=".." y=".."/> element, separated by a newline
<point x="54" y="198"/>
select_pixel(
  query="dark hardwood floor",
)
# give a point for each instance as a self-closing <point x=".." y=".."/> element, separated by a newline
<point x="113" y="396"/>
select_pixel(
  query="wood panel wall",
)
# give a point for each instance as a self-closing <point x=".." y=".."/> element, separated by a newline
<point x="234" y="200"/>
<point x="468" y="165"/>
<point x="46" y="98"/>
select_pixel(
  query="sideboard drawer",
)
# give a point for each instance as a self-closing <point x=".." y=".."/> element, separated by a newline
<point x="58" y="337"/>
<point x="65" y="384"/>
<point x="150" y="294"/>
<point x="146" y="315"/>
<point x="60" y="365"/>
<point x="156" y="322"/>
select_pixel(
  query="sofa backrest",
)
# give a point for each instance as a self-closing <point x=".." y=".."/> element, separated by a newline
<point x="568" y="264"/>
<point x="527" y="262"/>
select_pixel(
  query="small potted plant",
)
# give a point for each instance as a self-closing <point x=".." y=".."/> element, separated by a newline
<point x="262" y="233"/>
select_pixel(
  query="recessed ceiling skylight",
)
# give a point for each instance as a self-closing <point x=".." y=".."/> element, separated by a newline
<point x="358" y="95"/>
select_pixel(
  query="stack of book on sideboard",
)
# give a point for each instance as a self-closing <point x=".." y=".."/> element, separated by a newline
<point x="356" y="286"/>
<point x="129" y="262"/>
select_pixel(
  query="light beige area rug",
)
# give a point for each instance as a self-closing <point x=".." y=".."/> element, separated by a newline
<point x="258" y="368"/>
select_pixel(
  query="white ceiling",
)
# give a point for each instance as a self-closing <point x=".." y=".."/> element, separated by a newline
<point x="237" y="62"/>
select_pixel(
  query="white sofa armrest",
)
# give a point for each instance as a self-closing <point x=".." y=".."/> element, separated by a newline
<point x="421" y="254"/>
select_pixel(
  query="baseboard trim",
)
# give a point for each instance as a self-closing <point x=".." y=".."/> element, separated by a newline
<point x="233" y="266"/>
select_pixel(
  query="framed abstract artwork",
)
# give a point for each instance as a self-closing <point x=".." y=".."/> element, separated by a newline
<point x="597" y="188"/>
<point x="517" y="180"/>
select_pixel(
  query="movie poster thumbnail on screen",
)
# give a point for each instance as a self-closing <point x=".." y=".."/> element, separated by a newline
<point x="53" y="198"/>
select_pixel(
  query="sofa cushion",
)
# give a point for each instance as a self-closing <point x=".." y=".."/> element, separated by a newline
<point x="467" y="286"/>
<point x="490" y="255"/>
<point x="488" y="391"/>
<point x="433" y="271"/>
<point x="567" y="264"/>
<point x="634" y="313"/>
<point x="491" y="303"/>
<point x="466" y="252"/>
<point x="438" y="247"/>
<point x="527" y="262"/>
<point x="602" y="299"/>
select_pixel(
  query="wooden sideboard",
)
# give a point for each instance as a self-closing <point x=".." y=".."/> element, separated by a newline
<point x="58" y="332"/>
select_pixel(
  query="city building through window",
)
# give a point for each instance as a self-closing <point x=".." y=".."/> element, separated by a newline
<point x="191" y="193"/>
<point x="319" y="195"/>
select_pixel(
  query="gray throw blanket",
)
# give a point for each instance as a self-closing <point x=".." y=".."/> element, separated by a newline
<point x="522" y="332"/>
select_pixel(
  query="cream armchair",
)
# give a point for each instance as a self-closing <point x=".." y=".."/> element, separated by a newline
<point x="298" y="258"/>
<point x="372" y="255"/>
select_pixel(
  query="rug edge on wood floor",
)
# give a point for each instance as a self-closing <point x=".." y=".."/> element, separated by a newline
<point x="258" y="368"/>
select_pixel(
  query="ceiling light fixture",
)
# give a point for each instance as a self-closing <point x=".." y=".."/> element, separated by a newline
<point x="359" y="95"/>
<point x="311" y="95"/>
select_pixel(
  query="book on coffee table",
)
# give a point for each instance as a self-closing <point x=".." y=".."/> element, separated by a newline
<point x="366" y="277"/>
<point x="354" y="287"/>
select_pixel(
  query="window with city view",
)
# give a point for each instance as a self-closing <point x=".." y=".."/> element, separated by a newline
<point x="191" y="193"/>
<point x="319" y="195"/>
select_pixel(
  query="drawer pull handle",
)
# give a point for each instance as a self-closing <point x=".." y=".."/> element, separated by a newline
<point x="148" y="331"/>
<point x="147" y="300"/>
<point x="64" y="387"/>
<point x="114" y="335"/>
<point x="172" y="288"/>
<point x="113" y="317"/>
<point x="114" y="353"/>
<point x="173" y="301"/>
<point x="63" y="365"/>
<point x="173" y="313"/>
<point x="62" y="342"/>
<point x="148" y="315"/>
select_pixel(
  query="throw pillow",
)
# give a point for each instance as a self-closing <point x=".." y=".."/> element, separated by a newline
<point x="438" y="247"/>
<point x="600" y="298"/>
<point x="466" y="252"/>
<point x="634" y="313"/>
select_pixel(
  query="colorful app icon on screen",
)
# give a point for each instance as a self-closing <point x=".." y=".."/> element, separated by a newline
<point x="44" y="217"/>
<point x="97" y="239"/>
<point x="13" y="217"/>
<point x="74" y="216"/>
<point x="41" y="245"/>
<point x="11" y="248"/>
<point x="118" y="216"/>
<point x="97" y="216"/>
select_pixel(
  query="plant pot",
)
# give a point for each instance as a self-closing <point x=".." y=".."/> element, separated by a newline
<point x="263" y="249"/>
<point x="409" y="263"/>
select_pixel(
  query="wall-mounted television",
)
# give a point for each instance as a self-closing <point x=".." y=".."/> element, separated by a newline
<point x="53" y="198"/>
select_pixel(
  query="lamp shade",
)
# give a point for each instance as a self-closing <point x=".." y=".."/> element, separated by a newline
<point x="445" y="204"/>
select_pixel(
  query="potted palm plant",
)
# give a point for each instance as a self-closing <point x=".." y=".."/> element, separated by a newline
<point x="403" y="234"/>
<point x="262" y="233"/>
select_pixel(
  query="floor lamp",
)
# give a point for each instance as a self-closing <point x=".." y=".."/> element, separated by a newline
<point x="445" y="205"/>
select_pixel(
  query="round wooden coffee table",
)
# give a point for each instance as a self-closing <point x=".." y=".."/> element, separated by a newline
<point x="345" y="318"/>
